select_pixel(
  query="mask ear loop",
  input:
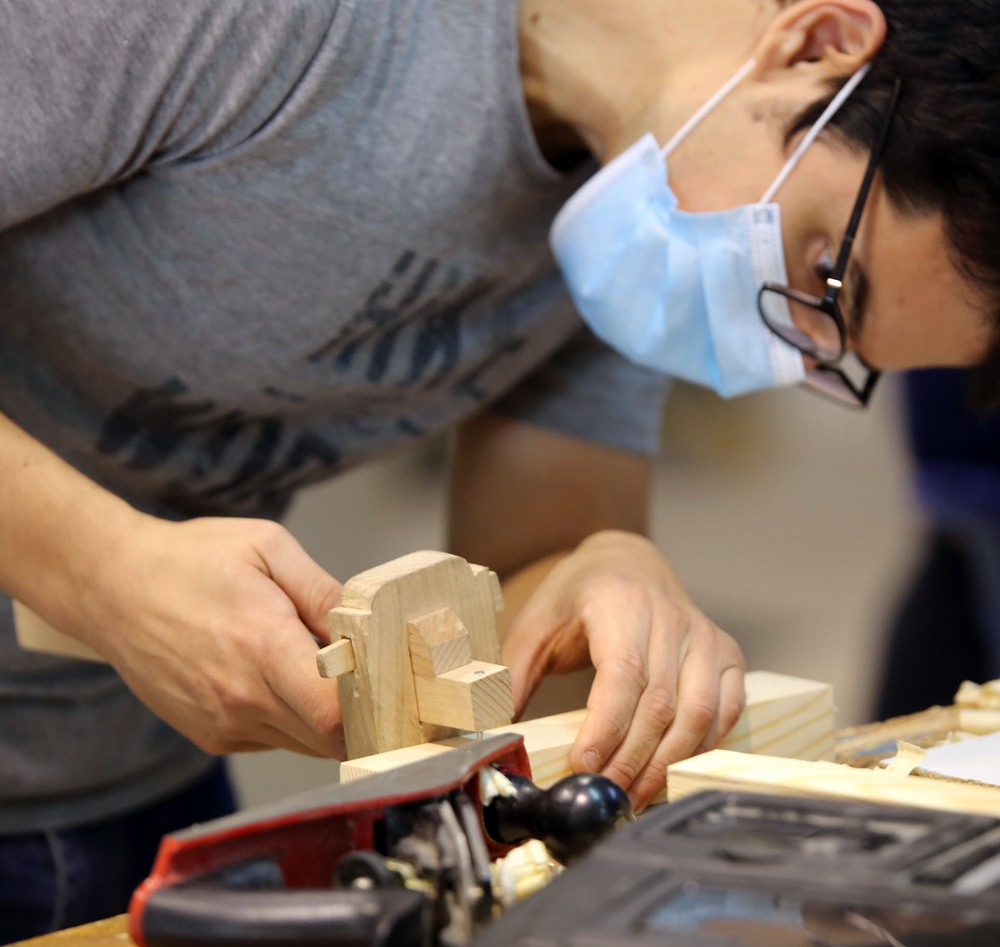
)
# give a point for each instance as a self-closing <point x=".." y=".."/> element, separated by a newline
<point x="839" y="99"/>
<point x="709" y="106"/>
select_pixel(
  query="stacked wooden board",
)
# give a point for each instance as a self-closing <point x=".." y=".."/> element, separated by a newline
<point x="728" y="771"/>
<point x="942" y="758"/>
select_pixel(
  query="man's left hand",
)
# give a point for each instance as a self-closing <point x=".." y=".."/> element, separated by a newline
<point x="669" y="682"/>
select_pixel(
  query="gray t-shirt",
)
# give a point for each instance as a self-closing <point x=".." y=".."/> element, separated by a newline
<point x="245" y="245"/>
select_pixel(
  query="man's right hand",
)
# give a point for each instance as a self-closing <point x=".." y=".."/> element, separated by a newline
<point x="211" y="624"/>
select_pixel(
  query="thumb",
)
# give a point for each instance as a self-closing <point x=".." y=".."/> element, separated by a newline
<point x="311" y="588"/>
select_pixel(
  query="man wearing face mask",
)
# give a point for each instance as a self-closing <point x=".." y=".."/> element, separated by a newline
<point x="245" y="246"/>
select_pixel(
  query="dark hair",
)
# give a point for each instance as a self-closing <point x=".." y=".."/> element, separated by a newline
<point x="944" y="150"/>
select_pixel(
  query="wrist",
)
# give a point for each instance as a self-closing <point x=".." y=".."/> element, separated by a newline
<point x="632" y="556"/>
<point x="60" y="533"/>
<point x="102" y="567"/>
<point x="79" y="557"/>
<point x="616" y="540"/>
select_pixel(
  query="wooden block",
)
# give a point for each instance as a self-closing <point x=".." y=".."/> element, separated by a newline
<point x="475" y="696"/>
<point x="488" y="582"/>
<point x="439" y="642"/>
<point x="784" y="716"/>
<point x="729" y="771"/>
<point x="378" y="698"/>
<point x="36" y="634"/>
<point x="336" y="659"/>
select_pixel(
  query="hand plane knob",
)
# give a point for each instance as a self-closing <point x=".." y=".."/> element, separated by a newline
<point x="570" y="818"/>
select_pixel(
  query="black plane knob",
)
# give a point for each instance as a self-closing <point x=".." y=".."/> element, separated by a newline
<point x="570" y="818"/>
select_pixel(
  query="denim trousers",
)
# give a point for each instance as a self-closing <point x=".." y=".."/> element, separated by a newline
<point x="60" y="878"/>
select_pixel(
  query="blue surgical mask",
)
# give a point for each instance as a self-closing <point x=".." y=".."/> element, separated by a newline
<point x="677" y="291"/>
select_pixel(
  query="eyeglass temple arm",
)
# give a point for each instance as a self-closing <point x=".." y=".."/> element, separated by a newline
<point x="859" y="205"/>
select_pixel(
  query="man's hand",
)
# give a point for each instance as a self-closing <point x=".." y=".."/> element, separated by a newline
<point x="211" y="624"/>
<point x="669" y="683"/>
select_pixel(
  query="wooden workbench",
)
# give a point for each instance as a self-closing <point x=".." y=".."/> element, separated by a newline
<point x="857" y="746"/>
<point x="112" y="932"/>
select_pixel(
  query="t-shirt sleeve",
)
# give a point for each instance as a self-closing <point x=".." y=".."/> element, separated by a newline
<point x="589" y="391"/>
<point x="95" y="91"/>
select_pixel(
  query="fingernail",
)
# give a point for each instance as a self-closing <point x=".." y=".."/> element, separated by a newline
<point x="592" y="761"/>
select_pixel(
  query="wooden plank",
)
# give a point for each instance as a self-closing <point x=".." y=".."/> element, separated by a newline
<point x="547" y="741"/>
<point x="792" y="716"/>
<point x="381" y="762"/>
<point x="475" y="696"/>
<point x="725" y="770"/>
<point x="36" y="634"/>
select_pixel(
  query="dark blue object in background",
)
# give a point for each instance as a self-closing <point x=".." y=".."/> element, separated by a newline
<point x="67" y="877"/>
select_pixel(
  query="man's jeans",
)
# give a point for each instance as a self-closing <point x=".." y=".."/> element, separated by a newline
<point x="57" y="879"/>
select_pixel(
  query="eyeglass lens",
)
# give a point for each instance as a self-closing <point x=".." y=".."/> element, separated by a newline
<point x="794" y="317"/>
<point x="850" y="382"/>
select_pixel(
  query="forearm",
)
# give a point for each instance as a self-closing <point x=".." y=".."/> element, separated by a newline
<point x="520" y="494"/>
<point x="58" y="529"/>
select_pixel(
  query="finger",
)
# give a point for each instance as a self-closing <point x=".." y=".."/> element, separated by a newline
<point x="280" y="687"/>
<point x="620" y="659"/>
<point x="272" y="695"/>
<point x="698" y="696"/>
<point x="657" y="706"/>
<point x="309" y="704"/>
<point x="311" y="588"/>
<point x="732" y="700"/>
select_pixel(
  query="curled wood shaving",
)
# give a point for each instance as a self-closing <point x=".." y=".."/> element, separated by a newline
<point x="908" y="758"/>
<point x="973" y="696"/>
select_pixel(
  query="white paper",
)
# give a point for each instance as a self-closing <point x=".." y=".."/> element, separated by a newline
<point x="977" y="759"/>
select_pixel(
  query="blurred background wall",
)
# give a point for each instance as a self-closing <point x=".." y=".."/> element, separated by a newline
<point x="790" y="520"/>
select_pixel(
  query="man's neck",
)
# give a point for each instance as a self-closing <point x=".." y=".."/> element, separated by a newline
<point x="597" y="75"/>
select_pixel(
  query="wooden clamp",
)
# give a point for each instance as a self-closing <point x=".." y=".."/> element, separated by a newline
<point x="416" y="651"/>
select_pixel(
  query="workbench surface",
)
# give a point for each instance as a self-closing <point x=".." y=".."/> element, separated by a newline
<point x="112" y="932"/>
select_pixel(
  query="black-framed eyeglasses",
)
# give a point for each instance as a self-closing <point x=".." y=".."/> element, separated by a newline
<point x="820" y="331"/>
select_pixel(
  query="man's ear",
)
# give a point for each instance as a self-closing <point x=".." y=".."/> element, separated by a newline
<point x="838" y="36"/>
